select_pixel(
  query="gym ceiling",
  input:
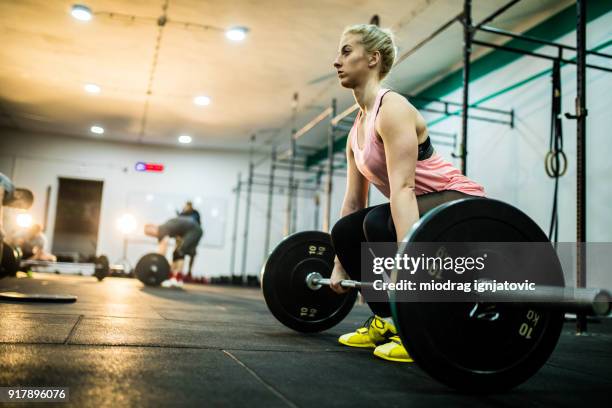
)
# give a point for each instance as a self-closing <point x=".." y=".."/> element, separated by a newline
<point x="48" y="57"/>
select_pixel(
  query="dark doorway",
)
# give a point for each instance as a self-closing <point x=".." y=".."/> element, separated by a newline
<point x="77" y="218"/>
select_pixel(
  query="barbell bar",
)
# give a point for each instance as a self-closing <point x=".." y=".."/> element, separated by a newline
<point x="314" y="281"/>
<point x="593" y="301"/>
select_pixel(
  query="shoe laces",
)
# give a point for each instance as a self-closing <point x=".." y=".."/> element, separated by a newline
<point x="368" y="321"/>
<point x="376" y="321"/>
<point x="396" y="340"/>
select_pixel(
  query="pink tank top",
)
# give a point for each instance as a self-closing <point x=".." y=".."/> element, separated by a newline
<point x="432" y="174"/>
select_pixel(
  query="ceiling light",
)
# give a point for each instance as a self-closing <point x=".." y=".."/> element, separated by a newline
<point x="98" y="130"/>
<point x="236" y="33"/>
<point x="92" y="88"/>
<point x="201" y="100"/>
<point x="184" y="139"/>
<point x="81" y="12"/>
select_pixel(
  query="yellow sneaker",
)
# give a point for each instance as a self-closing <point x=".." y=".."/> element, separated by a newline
<point x="374" y="331"/>
<point x="393" y="351"/>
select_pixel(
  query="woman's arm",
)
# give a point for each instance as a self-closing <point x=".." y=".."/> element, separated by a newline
<point x="396" y="125"/>
<point x="355" y="198"/>
<point x="356" y="193"/>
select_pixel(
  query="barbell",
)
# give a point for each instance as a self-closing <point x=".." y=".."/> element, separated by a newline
<point x="151" y="269"/>
<point x="492" y="343"/>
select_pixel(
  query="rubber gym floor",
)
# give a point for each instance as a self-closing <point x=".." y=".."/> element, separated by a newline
<point x="122" y="344"/>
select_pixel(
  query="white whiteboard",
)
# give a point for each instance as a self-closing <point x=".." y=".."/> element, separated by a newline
<point x="157" y="208"/>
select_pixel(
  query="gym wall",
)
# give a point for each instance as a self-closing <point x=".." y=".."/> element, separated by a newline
<point x="510" y="162"/>
<point x="188" y="175"/>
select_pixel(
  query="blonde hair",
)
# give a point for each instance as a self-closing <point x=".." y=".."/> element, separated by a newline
<point x="374" y="38"/>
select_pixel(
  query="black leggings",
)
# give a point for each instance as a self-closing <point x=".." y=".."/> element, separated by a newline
<point x="375" y="224"/>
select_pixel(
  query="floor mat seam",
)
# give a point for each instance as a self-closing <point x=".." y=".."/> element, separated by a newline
<point x="74" y="328"/>
<point x="176" y="346"/>
<point x="261" y="380"/>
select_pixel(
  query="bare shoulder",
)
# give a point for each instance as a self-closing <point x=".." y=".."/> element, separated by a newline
<point x="395" y="110"/>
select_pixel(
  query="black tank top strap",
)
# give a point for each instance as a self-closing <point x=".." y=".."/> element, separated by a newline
<point x="426" y="150"/>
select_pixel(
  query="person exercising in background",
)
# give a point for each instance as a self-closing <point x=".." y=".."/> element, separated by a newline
<point x="32" y="242"/>
<point x="187" y="233"/>
<point x="189" y="211"/>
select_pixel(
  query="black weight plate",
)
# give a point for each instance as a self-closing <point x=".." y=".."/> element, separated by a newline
<point x="10" y="261"/>
<point x="152" y="269"/>
<point x="481" y="355"/>
<point x="284" y="284"/>
<point x="102" y="266"/>
<point x="33" y="297"/>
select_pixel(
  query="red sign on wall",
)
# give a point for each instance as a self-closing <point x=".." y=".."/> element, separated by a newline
<point x="153" y="167"/>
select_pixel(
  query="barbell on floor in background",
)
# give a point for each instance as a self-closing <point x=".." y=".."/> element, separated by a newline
<point x="152" y="269"/>
<point x="100" y="267"/>
<point x="11" y="263"/>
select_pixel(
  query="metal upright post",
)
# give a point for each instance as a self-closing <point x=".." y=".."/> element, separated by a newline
<point x="125" y="247"/>
<point x="270" y="198"/>
<point x="294" y="209"/>
<point x="290" y="185"/>
<point x="581" y="177"/>
<point x="330" y="169"/>
<point x="293" y="146"/>
<point x="317" y="200"/>
<point x="248" y="212"/>
<point x="467" y="50"/>
<point x="235" y="232"/>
